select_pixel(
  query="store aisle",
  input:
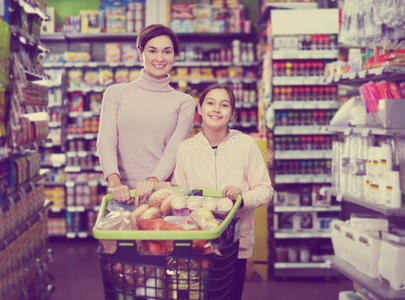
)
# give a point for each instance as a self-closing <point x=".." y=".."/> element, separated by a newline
<point x="75" y="268"/>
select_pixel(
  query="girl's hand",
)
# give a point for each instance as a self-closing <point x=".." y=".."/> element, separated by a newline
<point x="119" y="192"/>
<point x="143" y="189"/>
<point x="231" y="192"/>
<point x="162" y="185"/>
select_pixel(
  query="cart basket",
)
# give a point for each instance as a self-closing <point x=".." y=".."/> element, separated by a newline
<point x="183" y="274"/>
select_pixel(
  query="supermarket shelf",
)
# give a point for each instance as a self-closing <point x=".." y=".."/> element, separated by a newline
<point x="26" y="39"/>
<point x="54" y="124"/>
<point x="293" y="130"/>
<point x="86" y="136"/>
<point x="301" y="235"/>
<point x="300" y="154"/>
<point x="304" y="54"/>
<point x="303" y="179"/>
<point x="93" y="182"/>
<point x="73" y="235"/>
<point x="23" y="227"/>
<point x="387" y="211"/>
<point x="48" y="183"/>
<point x="298" y="80"/>
<point x="305" y="272"/>
<point x="306" y="208"/>
<point x="242" y="124"/>
<point x="375" y="286"/>
<point x="98" y="64"/>
<point x="80" y="208"/>
<point x="213" y="64"/>
<point x="21" y="190"/>
<point x="242" y="104"/>
<point x="265" y="15"/>
<point x="86" y="114"/>
<point x="389" y="73"/>
<point x="326" y="104"/>
<point x="364" y="131"/>
<point x="300" y="265"/>
<point x="213" y="80"/>
<point x="103" y="36"/>
<point x="75" y="169"/>
<point x="86" y="89"/>
<point x="31" y="8"/>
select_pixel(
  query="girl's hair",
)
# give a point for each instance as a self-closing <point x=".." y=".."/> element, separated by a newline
<point x="223" y="86"/>
<point x="153" y="31"/>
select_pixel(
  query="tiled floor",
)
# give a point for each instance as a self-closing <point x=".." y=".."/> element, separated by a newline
<point x="77" y="276"/>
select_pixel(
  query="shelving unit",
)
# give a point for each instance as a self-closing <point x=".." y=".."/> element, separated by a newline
<point x="24" y="256"/>
<point x="377" y="287"/>
<point x="80" y="153"/>
<point x="358" y="204"/>
<point x="298" y="104"/>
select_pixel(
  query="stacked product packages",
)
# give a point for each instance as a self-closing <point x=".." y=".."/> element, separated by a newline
<point x="366" y="244"/>
<point x="218" y="17"/>
<point x="368" y="172"/>
<point x="112" y="16"/>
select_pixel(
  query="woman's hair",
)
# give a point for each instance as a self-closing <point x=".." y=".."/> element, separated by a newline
<point x="223" y="86"/>
<point x="153" y="31"/>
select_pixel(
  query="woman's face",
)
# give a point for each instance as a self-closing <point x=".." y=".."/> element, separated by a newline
<point x="158" y="56"/>
<point x="216" y="110"/>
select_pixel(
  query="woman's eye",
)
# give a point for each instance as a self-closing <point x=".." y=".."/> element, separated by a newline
<point x="168" y="52"/>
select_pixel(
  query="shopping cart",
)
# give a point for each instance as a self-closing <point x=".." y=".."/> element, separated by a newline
<point x="183" y="274"/>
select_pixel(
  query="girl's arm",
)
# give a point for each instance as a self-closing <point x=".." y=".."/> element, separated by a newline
<point x="185" y="119"/>
<point x="107" y="133"/>
<point x="179" y="177"/>
<point x="260" y="190"/>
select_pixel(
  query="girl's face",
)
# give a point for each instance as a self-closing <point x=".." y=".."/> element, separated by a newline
<point x="158" y="56"/>
<point x="216" y="110"/>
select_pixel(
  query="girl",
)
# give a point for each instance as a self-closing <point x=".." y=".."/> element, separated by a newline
<point x="228" y="160"/>
<point x="143" y="121"/>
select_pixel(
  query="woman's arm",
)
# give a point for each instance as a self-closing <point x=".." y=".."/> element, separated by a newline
<point x="260" y="190"/>
<point x="107" y="133"/>
<point x="185" y="119"/>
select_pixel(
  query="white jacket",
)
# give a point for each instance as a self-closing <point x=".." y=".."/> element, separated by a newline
<point x="237" y="161"/>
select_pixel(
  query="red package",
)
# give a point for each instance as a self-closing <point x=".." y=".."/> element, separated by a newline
<point x="402" y="89"/>
<point x="395" y="91"/>
<point x="383" y="90"/>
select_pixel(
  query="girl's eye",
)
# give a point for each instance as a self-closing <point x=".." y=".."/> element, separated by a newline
<point x="168" y="52"/>
<point x="152" y="51"/>
<point x="225" y="105"/>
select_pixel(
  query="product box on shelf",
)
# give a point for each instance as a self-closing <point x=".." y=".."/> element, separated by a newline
<point x="391" y="264"/>
<point x="390" y="113"/>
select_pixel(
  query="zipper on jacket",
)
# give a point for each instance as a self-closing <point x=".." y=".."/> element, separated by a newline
<point x="215" y="162"/>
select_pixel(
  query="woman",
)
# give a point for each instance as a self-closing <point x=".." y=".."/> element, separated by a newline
<point x="228" y="160"/>
<point x="143" y="121"/>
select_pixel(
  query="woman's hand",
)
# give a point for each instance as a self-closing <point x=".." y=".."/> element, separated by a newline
<point x="144" y="188"/>
<point x="163" y="184"/>
<point x="119" y="192"/>
<point x="231" y="192"/>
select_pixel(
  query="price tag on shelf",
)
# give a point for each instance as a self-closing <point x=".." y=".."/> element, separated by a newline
<point x="339" y="197"/>
<point x="89" y="136"/>
<point x="82" y="235"/>
<point x="70" y="235"/>
<point x="352" y="75"/>
<point x="362" y="73"/>
<point x="92" y="64"/>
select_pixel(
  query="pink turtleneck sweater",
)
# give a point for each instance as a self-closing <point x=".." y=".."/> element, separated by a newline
<point x="141" y="124"/>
